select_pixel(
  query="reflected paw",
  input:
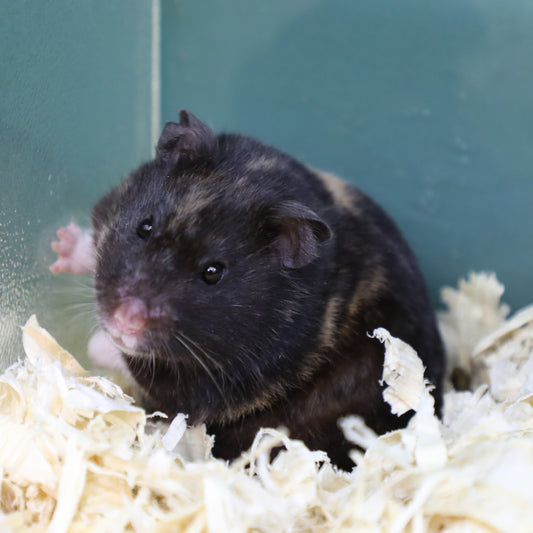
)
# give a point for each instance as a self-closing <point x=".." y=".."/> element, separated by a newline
<point x="75" y="251"/>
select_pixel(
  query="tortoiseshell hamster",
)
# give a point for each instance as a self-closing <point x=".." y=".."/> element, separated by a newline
<point x="240" y="285"/>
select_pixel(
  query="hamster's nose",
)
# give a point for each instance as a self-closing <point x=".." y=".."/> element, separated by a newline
<point x="130" y="316"/>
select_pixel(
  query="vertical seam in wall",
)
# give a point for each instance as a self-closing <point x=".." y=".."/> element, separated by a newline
<point x="156" y="73"/>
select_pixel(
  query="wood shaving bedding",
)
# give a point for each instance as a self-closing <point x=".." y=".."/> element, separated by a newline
<point x="77" y="455"/>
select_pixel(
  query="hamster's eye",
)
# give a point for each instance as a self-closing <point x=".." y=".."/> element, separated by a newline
<point x="213" y="273"/>
<point x="144" y="229"/>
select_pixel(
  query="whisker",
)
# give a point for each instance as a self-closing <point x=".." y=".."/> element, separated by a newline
<point x="93" y="329"/>
<point x="151" y="367"/>
<point x="202" y="350"/>
<point x="80" y="308"/>
<point x="204" y="366"/>
<point x="217" y="364"/>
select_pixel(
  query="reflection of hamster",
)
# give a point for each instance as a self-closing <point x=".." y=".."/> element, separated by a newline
<point x="240" y="285"/>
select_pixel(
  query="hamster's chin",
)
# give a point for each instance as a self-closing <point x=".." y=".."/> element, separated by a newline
<point x="138" y="347"/>
<point x="129" y="344"/>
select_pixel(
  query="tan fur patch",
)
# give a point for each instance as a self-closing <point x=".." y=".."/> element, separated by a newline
<point x="328" y="331"/>
<point x="367" y="291"/>
<point x="262" y="163"/>
<point x="100" y="237"/>
<point x="194" y="200"/>
<point x="343" y="195"/>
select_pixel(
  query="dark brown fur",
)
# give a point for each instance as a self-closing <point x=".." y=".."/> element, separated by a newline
<point x="312" y="265"/>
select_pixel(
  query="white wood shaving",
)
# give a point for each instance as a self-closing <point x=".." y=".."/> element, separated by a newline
<point x="77" y="455"/>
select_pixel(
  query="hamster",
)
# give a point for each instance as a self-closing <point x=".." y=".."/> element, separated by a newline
<point x="239" y="286"/>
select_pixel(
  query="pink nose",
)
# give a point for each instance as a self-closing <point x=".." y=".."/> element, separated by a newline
<point x="130" y="316"/>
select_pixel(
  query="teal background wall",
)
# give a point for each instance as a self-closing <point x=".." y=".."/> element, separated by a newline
<point x="425" y="105"/>
<point x="75" y="90"/>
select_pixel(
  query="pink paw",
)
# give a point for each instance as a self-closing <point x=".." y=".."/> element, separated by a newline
<point x="104" y="354"/>
<point x="75" y="251"/>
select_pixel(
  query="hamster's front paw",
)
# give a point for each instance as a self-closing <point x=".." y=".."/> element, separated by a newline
<point x="75" y="251"/>
<point x="104" y="354"/>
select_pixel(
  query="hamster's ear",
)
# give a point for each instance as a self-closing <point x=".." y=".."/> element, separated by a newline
<point x="299" y="232"/>
<point x="190" y="139"/>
